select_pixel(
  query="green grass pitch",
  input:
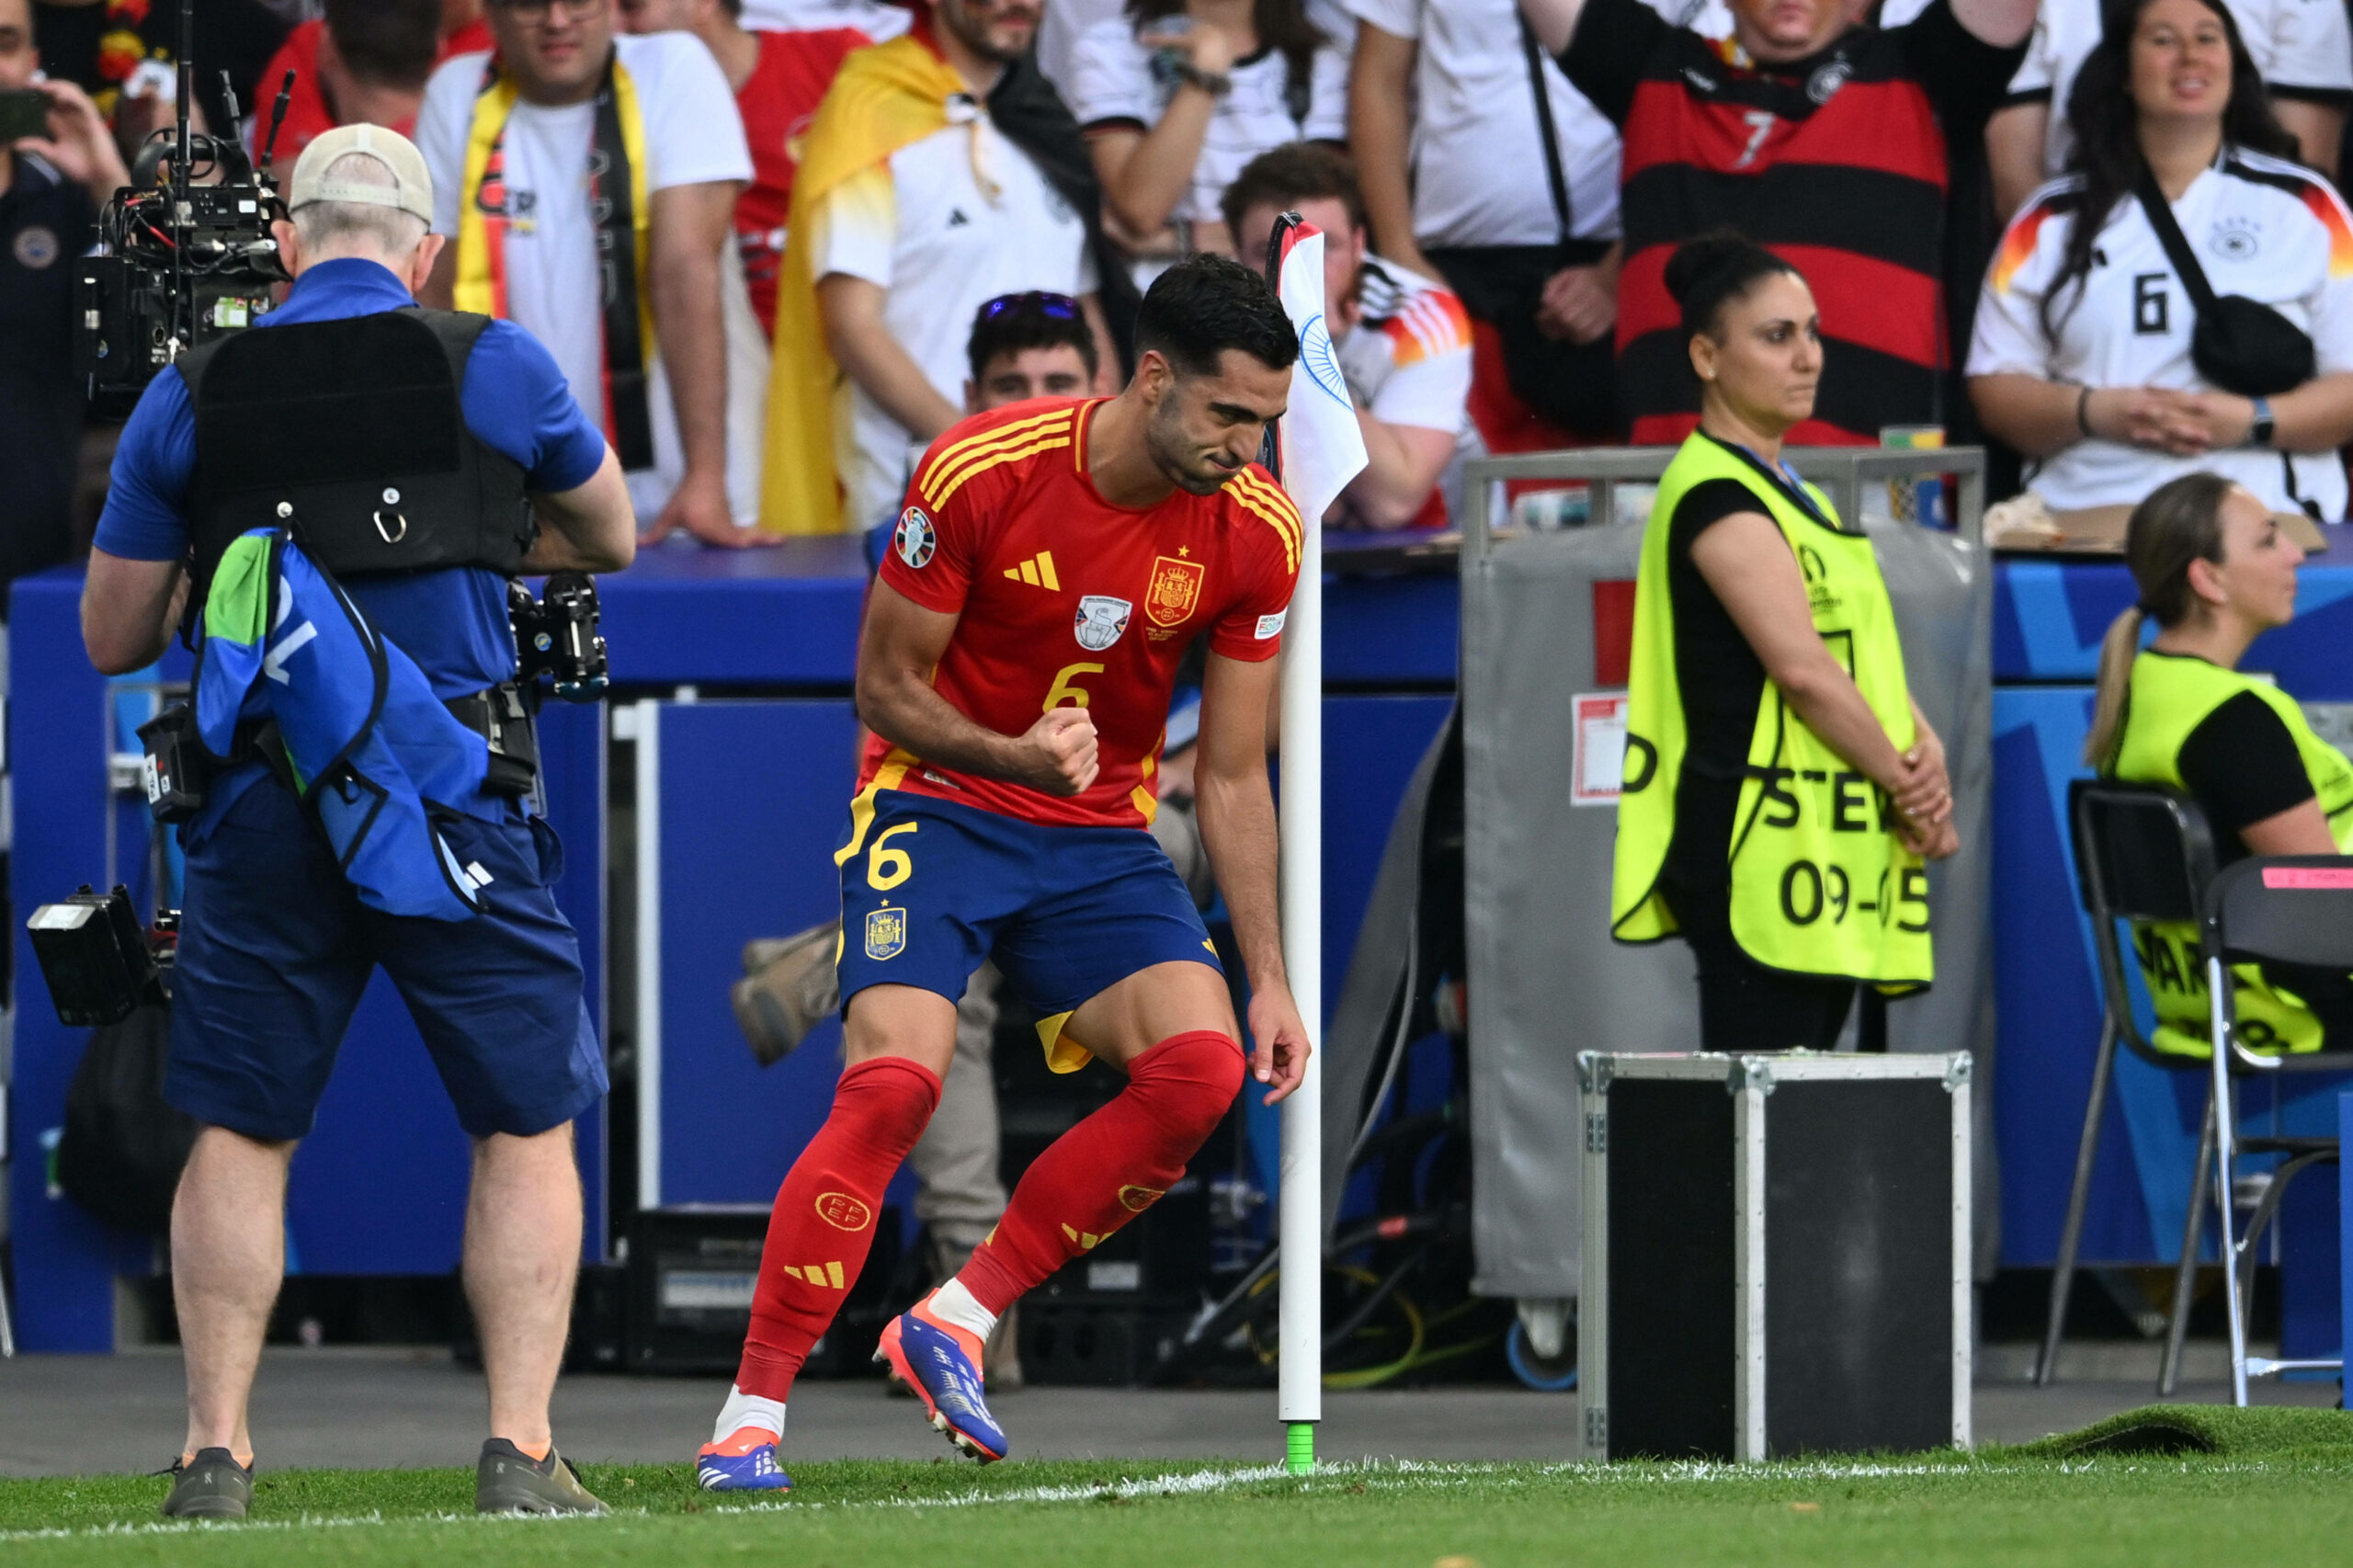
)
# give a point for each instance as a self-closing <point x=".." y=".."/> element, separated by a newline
<point x="2273" y="1488"/>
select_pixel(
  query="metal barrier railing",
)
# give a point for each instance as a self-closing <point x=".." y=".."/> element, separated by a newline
<point x="1841" y="471"/>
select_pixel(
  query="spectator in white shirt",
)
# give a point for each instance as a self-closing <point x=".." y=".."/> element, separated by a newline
<point x="2302" y="48"/>
<point x="527" y="221"/>
<point x="1445" y="124"/>
<point x="906" y="251"/>
<point x="1177" y="95"/>
<point x="2081" y="358"/>
<point x="1404" y="342"/>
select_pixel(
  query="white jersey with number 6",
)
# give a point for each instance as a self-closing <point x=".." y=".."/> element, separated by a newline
<point x="2261" y="226"/>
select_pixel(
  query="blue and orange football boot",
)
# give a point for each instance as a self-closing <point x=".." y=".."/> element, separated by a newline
<point x="942" y="1364"/>
<point x="743" y="1461"/>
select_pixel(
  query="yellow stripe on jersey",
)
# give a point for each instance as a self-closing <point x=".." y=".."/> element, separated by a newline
<point x="1143" y="797"/>
<point x="862" y="810"/>
<point x="1269" y="501"/>
<point x="1280" y="499"/>
<point x="1275" y="507"/>
<point x="1044" y="442"/>
<point x="949" y="456"/>
<point x="945" y="471"/>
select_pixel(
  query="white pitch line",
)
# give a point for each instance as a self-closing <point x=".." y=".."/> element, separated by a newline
<point x="1385" y="1475"/>
<point x="1189" y="1483"/>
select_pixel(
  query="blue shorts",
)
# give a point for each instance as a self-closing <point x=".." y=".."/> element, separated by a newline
<point x="275" y="949"/>
<point x="930" y="889"/>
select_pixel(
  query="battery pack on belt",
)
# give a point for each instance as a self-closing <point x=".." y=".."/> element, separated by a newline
<point x="177" y="770"/>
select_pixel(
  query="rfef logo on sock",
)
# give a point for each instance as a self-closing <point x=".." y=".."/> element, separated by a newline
<point x="1136" y="1200"/>
<point x="844" y="1212"/>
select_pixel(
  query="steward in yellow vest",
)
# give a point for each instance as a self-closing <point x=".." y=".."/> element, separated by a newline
<point x="1821" y="883"/>
<point x="2215" y="572"/>
<point x="1781" y="791"/>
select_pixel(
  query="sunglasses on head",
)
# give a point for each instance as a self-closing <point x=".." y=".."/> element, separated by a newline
<point x="1062" y="307"/>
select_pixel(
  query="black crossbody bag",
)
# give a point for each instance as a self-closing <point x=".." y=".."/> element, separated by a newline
<point x="1572" y="385"/>
<point x="2241" y="346"/>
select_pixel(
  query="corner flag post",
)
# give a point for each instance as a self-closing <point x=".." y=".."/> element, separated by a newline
<point x="1318" y="447"/>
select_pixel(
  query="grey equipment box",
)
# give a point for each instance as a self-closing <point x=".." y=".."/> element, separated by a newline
<point x="1777" y="1254"/>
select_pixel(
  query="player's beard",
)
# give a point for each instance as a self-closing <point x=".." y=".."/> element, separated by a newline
<point x="1176" y="455"/>
<point x="979" y="27"/>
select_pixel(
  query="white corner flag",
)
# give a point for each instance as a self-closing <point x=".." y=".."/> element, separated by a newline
<point x="1320" y="448"/>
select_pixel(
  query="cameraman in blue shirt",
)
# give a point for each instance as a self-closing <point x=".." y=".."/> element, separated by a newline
<point x="423" y="458"/>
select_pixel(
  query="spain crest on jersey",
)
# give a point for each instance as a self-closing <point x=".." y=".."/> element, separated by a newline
<point x="886" y="933"/>
<point x="1175" y="589"/>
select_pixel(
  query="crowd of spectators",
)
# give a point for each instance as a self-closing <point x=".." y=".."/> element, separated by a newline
<point x="757" y="234"/>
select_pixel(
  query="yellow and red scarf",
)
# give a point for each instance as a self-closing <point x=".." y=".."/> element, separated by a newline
<point x="618" y="201"/>
<point x="889" y="96"/>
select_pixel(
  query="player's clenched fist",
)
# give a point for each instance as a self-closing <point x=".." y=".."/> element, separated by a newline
<point x="1062" y="752"/>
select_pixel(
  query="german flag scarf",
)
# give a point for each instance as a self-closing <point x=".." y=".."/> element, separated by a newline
<point x="889" y="96"/>
<point x="618" y="205"/>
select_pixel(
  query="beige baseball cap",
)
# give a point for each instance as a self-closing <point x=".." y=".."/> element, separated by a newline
<point x="410" y="192"/>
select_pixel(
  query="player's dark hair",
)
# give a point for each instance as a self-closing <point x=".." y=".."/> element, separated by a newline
<point x="1203" y="306"/>
<point x="1281" y="178"/>
<point x="1704" y="275"/>
<point x="1028" y="320"/>
<point x="2106" y="125"/>
<point x="386" y="43"/>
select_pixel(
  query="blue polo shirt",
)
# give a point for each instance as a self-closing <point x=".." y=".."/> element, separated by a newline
<point x="452" y="621"/>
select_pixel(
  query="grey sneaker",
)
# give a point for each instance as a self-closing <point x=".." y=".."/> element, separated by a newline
<point x="507" y="1480"/>
<point x="212" y="1486"/>
<point x="788" y="985"/>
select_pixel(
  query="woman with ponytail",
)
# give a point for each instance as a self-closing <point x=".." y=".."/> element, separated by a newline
<point x="2214" y="573"/>
<point x="1782" y="788"/>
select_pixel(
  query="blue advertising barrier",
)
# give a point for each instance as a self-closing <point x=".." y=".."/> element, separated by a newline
<point x="750" y="655"/>
<point x="379" y="1186"/>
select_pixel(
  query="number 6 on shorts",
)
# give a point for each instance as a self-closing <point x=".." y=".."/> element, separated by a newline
<point x="887" y="868"/>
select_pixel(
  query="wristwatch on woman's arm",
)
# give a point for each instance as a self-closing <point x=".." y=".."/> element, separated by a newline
<point x="2266" y="427"/>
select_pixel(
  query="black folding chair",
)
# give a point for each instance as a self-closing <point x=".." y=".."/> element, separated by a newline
<point x="2285" y="909"/>
<point x="2146" y="854"/>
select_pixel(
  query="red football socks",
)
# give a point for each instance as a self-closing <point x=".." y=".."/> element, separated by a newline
<point x="824" y="1220"/>
<point x="1110" y="1167"/>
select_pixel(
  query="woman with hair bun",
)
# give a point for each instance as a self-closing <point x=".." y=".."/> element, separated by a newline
<point x="1782" y="789"/>
<point x="2215" y="573"/>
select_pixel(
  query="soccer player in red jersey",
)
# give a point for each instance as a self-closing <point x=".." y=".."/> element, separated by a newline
<point x="1053" y="563"/>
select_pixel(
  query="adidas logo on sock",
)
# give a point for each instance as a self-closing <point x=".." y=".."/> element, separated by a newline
<point x="1037" y="571"/>
<point x="1085" y="1239"/>
<point x="816" y="1273"/>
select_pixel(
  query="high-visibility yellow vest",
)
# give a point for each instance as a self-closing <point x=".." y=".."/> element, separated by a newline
<point x="1820" y="884"/>
<point x="2170" y="696"/>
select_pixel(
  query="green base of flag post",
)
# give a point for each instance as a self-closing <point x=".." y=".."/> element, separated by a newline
<point x="1300" y="1450"/>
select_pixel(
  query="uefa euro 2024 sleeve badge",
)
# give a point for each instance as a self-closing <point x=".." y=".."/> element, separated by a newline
<point x="915" y="539"/>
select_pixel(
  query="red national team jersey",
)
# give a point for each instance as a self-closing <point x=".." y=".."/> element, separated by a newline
<point x="777" y="101"/>
<point x="1066" y="598"/>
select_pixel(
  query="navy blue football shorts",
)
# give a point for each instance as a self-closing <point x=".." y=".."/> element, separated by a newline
<point x="275" y="949"/>
<point x="930" y="889"/>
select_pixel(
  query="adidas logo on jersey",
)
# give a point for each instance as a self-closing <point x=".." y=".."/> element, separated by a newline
<point x="956" y="219"/>
<point x="1037" y="571"/>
